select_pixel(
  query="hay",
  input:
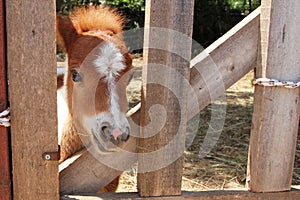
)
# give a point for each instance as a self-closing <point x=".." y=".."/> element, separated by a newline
<point x="226" y="165"/>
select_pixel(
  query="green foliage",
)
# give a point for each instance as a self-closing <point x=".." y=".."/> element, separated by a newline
<point x="135" y="5"/>
<point x="134" y="10"/>
<point x="212" y="18"/>
<point x="243" y="5"/>
<point x="65" y="6"/>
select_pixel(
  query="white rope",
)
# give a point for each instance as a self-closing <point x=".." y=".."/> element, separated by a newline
<point x="275" y="83"/>
<point x="5" y="118"/>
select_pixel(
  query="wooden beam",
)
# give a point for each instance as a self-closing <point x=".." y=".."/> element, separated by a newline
<point x="5" y="179"/>
<point x="205" y="195"/>
<point x="276" y="111"/>
<point x="168" y="91"/>
<point x="228" y="51"/>
<point x="84" y="173"/>
<point x="31" y="50"/>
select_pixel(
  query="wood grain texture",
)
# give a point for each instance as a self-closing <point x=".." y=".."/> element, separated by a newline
<point x="206" y="195"/>
<point x="231" y="44"/>
<point x="276" y="110"/>
<point x="31" y="50"/>
<point x="5" y="179"/>
<point x="84" y="173"/>
<point x="169" y="92"/>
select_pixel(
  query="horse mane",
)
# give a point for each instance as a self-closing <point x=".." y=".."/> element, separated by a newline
<point x="95" y="18"/>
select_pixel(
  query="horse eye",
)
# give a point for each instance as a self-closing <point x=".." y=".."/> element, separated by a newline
<point x="76" y="77"/>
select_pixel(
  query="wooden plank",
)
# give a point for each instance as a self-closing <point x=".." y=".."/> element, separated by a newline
<point x="164" y="177"/>
<point x="31" y="50"/>
<point x="276" y="109"/>
<point x="232" y="46"/>
<point x="207" y="195"/>
<point x="5" y="179"/>
<point x="76" y="176"/>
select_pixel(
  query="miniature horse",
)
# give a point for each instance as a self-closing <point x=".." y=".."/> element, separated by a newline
<point x="98" y="62"/>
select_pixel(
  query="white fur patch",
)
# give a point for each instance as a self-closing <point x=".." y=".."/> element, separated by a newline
<point x="62" y="110"/>
<point x="110" y="61"/>
<point x="115" y="110"/>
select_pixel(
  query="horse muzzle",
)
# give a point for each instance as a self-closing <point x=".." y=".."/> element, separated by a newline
<point x="108" y="138"/>
<point x="114" y="135"/>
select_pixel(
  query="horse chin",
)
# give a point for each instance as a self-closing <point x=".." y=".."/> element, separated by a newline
<point x="101" y="144"/>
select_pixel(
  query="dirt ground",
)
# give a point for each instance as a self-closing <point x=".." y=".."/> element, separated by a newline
<point x="225" y="166"/>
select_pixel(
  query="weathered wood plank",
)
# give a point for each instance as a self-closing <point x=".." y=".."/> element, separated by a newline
<point x="232" y="45"/>
<point x="276" y="109"/>
<point x="168" y="91"/>
<point x="84" y="173"/>
<point x="5" y="180"/>
<point x="31" y="50"/>
<point x="207" y="195"/>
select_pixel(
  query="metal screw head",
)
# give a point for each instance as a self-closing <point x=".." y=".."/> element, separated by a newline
<point x="51" y="156"/>
<point x="47" y="157"/>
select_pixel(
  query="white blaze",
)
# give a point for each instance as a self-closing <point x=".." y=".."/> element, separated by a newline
<point x="109" y="63"/>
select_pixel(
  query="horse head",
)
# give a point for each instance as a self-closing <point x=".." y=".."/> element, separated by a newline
<point x="97" y="75"/>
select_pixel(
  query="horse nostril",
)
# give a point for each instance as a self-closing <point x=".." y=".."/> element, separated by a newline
<point x="115" y="135"/>
<point x="125" y="135"/>
<point x="105" y="128"/>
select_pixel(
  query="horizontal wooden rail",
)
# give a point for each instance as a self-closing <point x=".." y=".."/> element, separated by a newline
<point x="230" y="58"/>
<point x="207" y="195"/>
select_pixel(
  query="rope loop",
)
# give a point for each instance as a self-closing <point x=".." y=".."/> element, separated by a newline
<point x="267" y="82"/>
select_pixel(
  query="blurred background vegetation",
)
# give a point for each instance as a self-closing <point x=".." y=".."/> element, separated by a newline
<point x="212" y="18"/>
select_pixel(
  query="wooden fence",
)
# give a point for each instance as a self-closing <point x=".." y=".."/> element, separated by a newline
<point x="270" y="39"/>
<point x="31" y="63"/>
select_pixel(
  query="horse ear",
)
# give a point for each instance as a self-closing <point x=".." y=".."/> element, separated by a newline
<point x="65" y="32"/>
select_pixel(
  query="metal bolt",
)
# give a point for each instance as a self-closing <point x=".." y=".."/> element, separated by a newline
<point x="47" y="157"/>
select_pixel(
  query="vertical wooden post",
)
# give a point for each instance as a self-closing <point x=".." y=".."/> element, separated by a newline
<point x="163" y="19"/>
<point x="276" y="109"/>
<point x="31" y="61"/>
<point x="5" y="181"/>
